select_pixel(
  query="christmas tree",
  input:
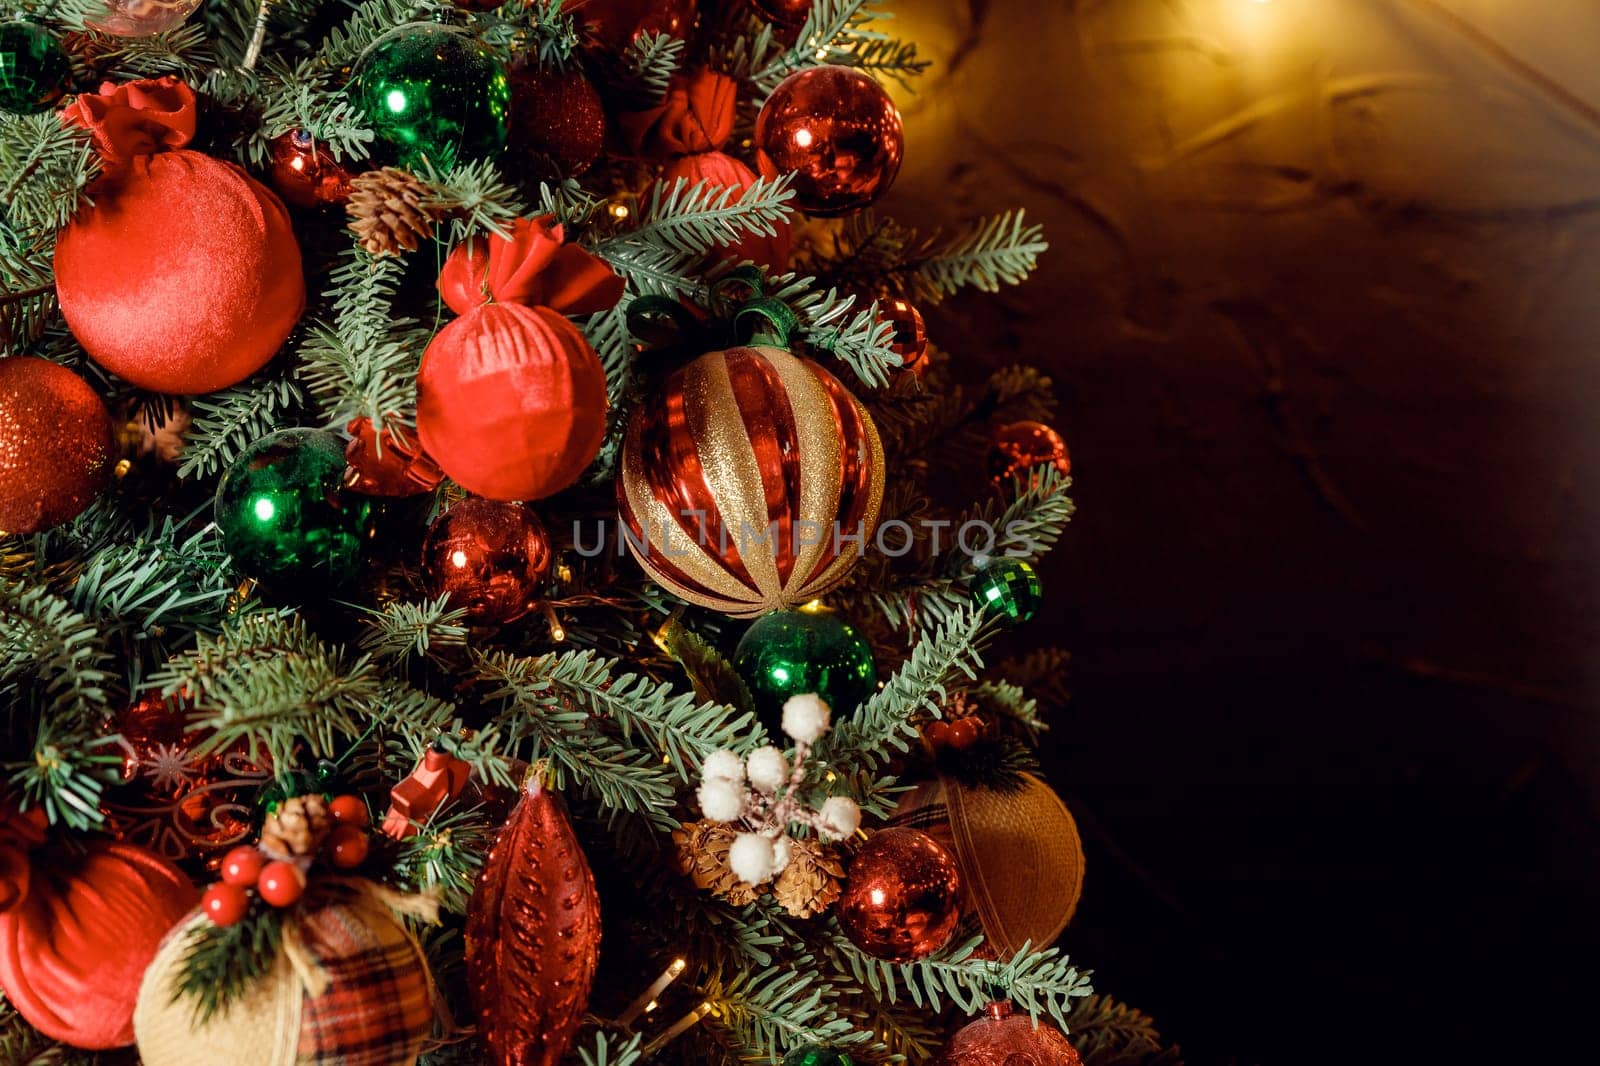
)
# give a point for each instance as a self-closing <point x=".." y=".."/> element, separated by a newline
<point x="494" y="569"/>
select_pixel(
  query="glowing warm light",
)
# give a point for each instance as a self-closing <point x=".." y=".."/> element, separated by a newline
<point x="122" y="468"/>
<point x="878" y="897"/>
<point x="652" y="1005"/>
<point x="265" y="509"/>
<point x="458" y="559"/>
<point x="802" y="137"/>
<point x="619" y="210"/>
<point x="814" y="607"/>
<point x="396" y="101"/>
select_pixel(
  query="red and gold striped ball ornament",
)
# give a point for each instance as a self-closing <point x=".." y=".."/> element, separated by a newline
<point x="751" y="482"/>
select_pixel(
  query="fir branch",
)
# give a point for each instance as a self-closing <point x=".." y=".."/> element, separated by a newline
<point x="52" y="654"/>
<point x="1001" y="250"/>
<point x="864" y="341"/>
<point x="655" y="269"/>
<point x="840" y="32"/>
<point x="1008" y="699"/>
<point x="186" y="51"/>
<point x="1032" y="523"/>
<point x="476" y="197"/>
<point x="613" y="1049"/>
<point x="23" y="1045"/>
<point x="221" y="962"/>
<point x="370" y="20"/>
<point x="692" y="219"/>
<point x="305" y="97"/>
<point x="537" y="29"/>
<point x="45" y="167"/>
<point x="771" y="1010"/>
<point x="607" y="332"/>
<point x="444" y="856"/>
<point x="1109" y="1033"/>
<point x="400" y="631"/>
<point x="226" y="423"/>
<point x="1044" y="673"/>
<point x="648" y="65"/>
<point x="68" y="773"/>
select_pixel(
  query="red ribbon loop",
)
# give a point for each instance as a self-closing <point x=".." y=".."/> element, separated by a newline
<point x="20" y="833"/>
<point x="534" y="267"/>
<point x="139" y="118"/>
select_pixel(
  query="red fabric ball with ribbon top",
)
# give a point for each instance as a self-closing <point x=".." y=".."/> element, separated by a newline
<point x="511" y="399"/>
<point x="181" y="274"/>
<point x="77" y="929"/>
<point x="721" y="170"/>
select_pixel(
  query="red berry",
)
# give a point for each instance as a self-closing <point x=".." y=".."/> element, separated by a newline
<point x="964" y="733"/>
<point x="347" y="847"/>
<point x="225" y="904"/>
<point x="937" y="732"/>
<point x="350" y="810"/>
<point x="242" y="866"/>
<point x="281" y="884"/>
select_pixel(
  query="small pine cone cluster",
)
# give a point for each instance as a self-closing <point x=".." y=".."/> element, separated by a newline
<point x="389" y="211"/>
<point x="297" y="828"/>
<point x="810" y="883"/>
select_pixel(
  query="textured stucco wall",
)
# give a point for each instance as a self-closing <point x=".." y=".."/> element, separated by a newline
<point x="1323" y="304"/>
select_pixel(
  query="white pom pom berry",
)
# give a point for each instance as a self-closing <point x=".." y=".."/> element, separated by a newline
<point x="805" y="718"/>
<point x="782" y="852"/>
<point x="721" y="800"/>
<point x="752" y="858"/>
<point x="768" y="769"/>
<point x="839" y="817"/>
<point x="723" y="766"/>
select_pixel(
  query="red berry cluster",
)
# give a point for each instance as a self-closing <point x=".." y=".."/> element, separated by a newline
<point x="958" y="734"/>
<point x="280" y="883"/>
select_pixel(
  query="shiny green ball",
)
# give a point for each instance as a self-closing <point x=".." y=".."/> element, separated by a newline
<point x="34" y="69"/>
<point x="434" y="92"/>
<point x="285" y="516"/>
<point x="1009" y="588"/>
<point x="816" y="1055"/>
<point x="789" y="653"/>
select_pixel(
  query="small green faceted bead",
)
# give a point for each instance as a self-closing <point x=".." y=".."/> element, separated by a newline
<point x="34" y="69"/>
<point x="815" y="1055"/>
<point x="1009" y="588"/>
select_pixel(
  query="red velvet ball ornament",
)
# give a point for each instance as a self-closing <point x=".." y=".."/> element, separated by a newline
<point x="56" y="444"/>
<point x="511" y="399"/>
<point x="225" y="904"/>
<point x="902" y="896"/>
<point x="78" y="927"/>
<point x="910" y="335"/>
<point x="305" y="173"/>
<point x="611" y="24"/>
<point x="1002" y="1037"/>
<point x="347" y="847"/>
<point x="281" y="884"/>
<point x="1020" y="446"/>
<point x="349" y="810"/>
<point x="837" y="132"/>
<point x="721" y="171"/>
<point x="489" y="558"/>
<point x="181" y="274"/>
<point x="242" y="866"/>
<point x="557" y="127"/>
<point x="391" y="463"/>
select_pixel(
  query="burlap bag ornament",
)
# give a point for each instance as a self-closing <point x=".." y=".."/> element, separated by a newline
<point x="350" y="986"/>
<point x="1020" y="856"/>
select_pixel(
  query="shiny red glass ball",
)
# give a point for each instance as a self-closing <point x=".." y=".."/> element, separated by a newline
<point x="837" y="132"/>
<point x="281" y="884"/>
<point x="225" y="904"/>
<point x="242" y="866"/>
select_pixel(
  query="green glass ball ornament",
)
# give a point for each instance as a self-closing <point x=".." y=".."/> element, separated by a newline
<point x="285" y="516"/>
<point x="816" y="1055"/>
<point x="434" y="92"/>
<point x="1009" y="588"/>
<point x="34" y="69"/>
<point x="789" y="653"/>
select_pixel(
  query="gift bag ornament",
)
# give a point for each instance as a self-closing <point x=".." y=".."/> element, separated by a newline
<point x="78" y="926"/>
<point x="511" y="398"/>
<point x="180" y="274"/>
<point x="349" y="984"/>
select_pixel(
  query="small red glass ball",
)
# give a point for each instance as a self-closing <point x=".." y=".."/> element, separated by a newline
<point x="349" y="810"/>
<point x="281" y="884"/>
<point x="348" y="846"/>
<point x="1020" y="446"/>
<point x="225" y="904"/>
<point x="489" y="557"/>
<point x="910" y="341"/>
<point x="837" y="132"/>
<point x="305" y="173"/>
<point x="242" y="866"/>
<point x="964" y="732"/>
<point x="790" y="14"/>
<point x="901" y="899"/>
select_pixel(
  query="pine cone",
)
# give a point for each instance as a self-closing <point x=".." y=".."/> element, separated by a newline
<point x="703" y="856"/>
<point x="297" y="828"/>
<point x="387" y="211"/>
<point x="812" y="881"/>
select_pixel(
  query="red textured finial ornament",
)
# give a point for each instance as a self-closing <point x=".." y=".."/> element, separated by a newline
<point x="837" y="132"/>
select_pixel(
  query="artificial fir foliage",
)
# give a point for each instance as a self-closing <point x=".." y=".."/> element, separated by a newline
<point x="147" y="651"/>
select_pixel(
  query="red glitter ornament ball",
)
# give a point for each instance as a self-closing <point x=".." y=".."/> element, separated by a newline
<point x="910" y="335"/>
<point x="225" y="904"/>
<point x="902" y="896"/>
<point x="557" y="124"/>
<point x="489" y="558"/>
<point x="305" y="173"/>
<point x="56" y="444"/>
<point x="1020" y="446"/>
<point x="1003" y="1037"/>
<point x="837" y="132"/>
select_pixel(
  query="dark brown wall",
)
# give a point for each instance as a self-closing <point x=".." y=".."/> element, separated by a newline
<point x="1323" y="305"/>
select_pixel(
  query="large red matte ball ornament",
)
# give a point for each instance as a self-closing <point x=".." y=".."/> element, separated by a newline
<point x="489" y="557"/>
<point x="56" y="444"/>
<point x="181" y="273"/>
<point x="1002" y="1037"/>
<point x="305" y="173"/>
<point x="533" y="935"/>
<point x="837" y="132"/>
<point x="78" y="926"/>
<point x="511" y="399"/>
<point x="557" y="127"/>
<point x="902" y="896"/>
